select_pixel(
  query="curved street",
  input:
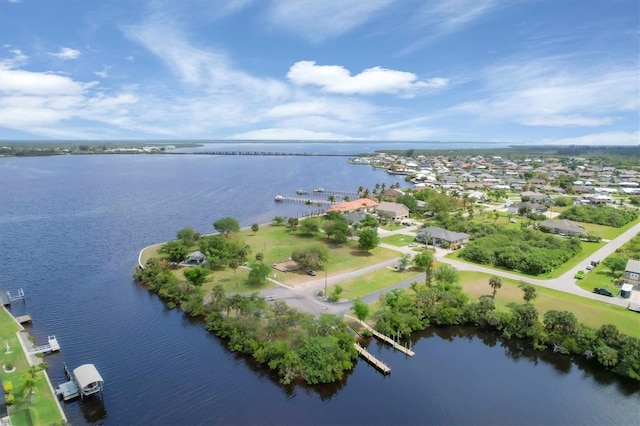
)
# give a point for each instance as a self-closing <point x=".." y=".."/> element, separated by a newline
<point x="304" y="297"/>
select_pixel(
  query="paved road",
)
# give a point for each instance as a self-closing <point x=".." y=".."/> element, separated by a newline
<point x="304" y="297"/>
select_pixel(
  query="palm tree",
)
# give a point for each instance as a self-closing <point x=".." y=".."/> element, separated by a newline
<point x="360" y="190"/>
<point x="331" y="199"/>
<point x="495" y="283"/>
<point x="529" y="292"/>
<point x="30" y="382"/>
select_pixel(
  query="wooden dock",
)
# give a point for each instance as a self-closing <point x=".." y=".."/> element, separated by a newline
<point x="308" y="201"/>
<point x="52" y="346"/>
<point x="384" y="368"/>
<point x="22" y="319"/>
<point x="386" y="339"/>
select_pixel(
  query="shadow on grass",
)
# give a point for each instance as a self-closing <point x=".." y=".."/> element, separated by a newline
<point x="360" y="253"/>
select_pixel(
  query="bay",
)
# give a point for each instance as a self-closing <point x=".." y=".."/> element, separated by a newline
<point x="71" y="228"/>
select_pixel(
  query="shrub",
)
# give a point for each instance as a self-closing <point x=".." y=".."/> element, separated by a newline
<point x="8" y="387"/>
<point x="10" y="399"/>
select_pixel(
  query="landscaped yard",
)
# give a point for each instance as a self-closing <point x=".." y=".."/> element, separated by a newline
<point x="44" y="410"/>
<point x="378" y="280"/>
<point x="398" y="240"/>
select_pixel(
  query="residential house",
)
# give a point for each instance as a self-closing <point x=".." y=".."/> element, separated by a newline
<point x="195" y="259"/>
<point x="632" y="272"/>
<point x="395" y="211"/>
<point x="562" y="226"/>
<point x="535" y="208"/>
<point x="437" y="236"/>
<point x="360" y="205"/>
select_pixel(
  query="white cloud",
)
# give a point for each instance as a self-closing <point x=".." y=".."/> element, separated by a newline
<point x="347" y="110"/>
<point x="129" y="58"/>
<point x="206" y="69"/>
<point x="442" y="17"/>
<point x="371" y="81"/>
<point x="39" y="83"/>
<point x="607" y="138"/>
<point x="549" y="92"/>
<point x="289" y="134"/>
<point x="320" y="20"/>
<point x="104" y="73"/>
<point x="66" y="53"/>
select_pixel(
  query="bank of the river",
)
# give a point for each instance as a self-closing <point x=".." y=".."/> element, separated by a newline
<point x="43" y="407"/>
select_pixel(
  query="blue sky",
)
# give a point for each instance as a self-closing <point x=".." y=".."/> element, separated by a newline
<point x="523" y="71"/>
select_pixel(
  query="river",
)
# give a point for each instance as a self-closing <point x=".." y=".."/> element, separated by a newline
<point x="71" y="228"/>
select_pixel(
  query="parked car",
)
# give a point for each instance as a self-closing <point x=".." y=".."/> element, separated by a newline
<point x="589" y="267"/>
<point x="579" y="275"/>
<point x="412" y="245"/>
<point x="602" y="291"/>
<point x="311" y="272"/>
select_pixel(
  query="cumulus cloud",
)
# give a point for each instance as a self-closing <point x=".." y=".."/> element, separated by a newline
<point x="66" y="53"/>
<point x="320" y="20"/>
<point x="40" y="83"/>
<point x="371" y="81"/>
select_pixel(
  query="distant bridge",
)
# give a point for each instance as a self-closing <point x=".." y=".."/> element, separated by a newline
<point x="264" y="153"/>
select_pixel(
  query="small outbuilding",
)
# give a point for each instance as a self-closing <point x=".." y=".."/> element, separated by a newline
<point x="625" y="291"/>
<point x="194" y="259"/>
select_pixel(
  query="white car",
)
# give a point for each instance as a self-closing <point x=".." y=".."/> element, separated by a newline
<point x="589" y="267"/>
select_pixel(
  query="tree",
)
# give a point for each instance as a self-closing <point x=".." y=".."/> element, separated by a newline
<point x="524" y="211"/>
<point x="279" y="220"/>
<point x="234" y="264"/>
<point x="226" y="225"/>
<point x="615" y="263"/>
<point x="424" y="261"/>
<point x="258" y="274"/>
<point x="311" y="257"/>
<point x="495" y="283"/>
<point x="217" y="249"/>
<point x="446" y="274"/>
<point x="196" y="275"/>
<point x="309" y="226"/>
<point x="529" y="292"/>
<point x="337" y="230"/>
<point x="361" y="309"/>
<point x="255" y="227"/>
<point x="331" y="198"/>
<point x="175" y="251"/>
<point x="293" y="223"/>
<point x="405" y="260"/>
<point x="259" y="256"/>
<point x="187" y="235"/>
<point x="335" y="294"/>
<point x="30" y="382"/>
<point x="368" y="239"/>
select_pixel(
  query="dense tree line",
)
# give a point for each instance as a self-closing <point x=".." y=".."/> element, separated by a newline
<point x="601" y="215"/>
<point x="403" y="312"/>
<point x="525" y="250"/>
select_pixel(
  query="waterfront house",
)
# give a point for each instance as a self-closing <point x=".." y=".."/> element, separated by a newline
<point x="195" y="259"/>
<point x="360" y="205"/>
<point x="563" y="226"/>
<point x="437" y="236"/>
<point x="395" y="211"/>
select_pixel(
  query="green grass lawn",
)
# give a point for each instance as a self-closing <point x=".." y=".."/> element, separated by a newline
<point x="378" y="280"/>
<point x="44" y="410"/>
<point x="398" y="240"/>
<point x="589" y="312"/>
<point x="607" y="232"/>
<point x="277" y="243"/>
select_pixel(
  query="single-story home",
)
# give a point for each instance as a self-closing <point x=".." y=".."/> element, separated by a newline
<point x="288" y="266"/>
<point x="632" y="272"/>
<point x="194" y="259"/>
<point x="354" y="217"/>
<point x="535" y="208"/>
<point x="436" y="236"/>
<point x="395" y="211"/>
<point x="562" y="226"/>
<point x="359" y="205"/>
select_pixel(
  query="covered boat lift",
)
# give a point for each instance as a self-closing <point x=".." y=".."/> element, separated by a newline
<point x="84" y="381"/>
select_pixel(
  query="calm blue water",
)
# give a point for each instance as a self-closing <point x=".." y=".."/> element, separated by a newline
<point x="71" y="228"/>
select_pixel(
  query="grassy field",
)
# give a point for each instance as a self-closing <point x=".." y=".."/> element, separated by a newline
<point x="44" y="409"/>
<point x="378" y="280"/>
<point x="589" y="312"/>
<point x="398" y="240"/>
<point x="277" y="243"/>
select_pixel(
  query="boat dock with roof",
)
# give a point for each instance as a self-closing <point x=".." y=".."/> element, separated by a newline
<point x="83" y="381"/>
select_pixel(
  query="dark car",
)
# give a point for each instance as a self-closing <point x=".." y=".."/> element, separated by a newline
<point x="311" y="272"/>
<point x="602" y="291"/>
